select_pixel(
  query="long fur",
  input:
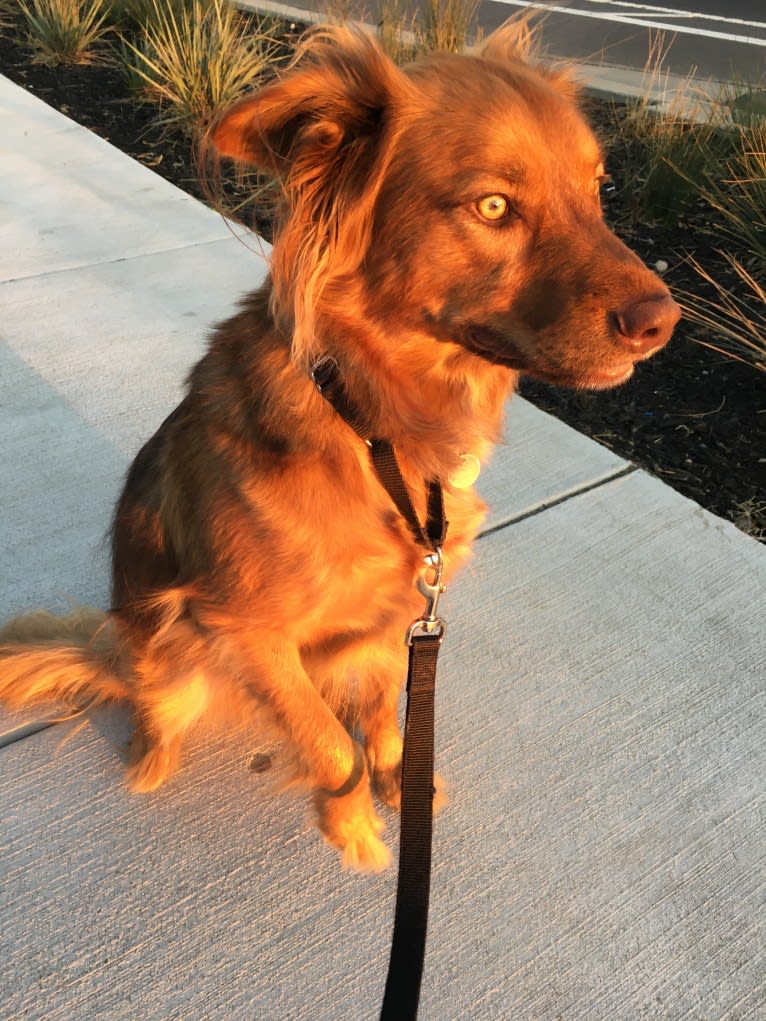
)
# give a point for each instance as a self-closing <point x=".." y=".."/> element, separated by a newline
<point x="256" y="560"/>
<point x="70" y="659"/>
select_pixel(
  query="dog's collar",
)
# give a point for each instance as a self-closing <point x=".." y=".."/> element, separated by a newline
<point x="328" y="380"/>
<point x="326" y="375"/>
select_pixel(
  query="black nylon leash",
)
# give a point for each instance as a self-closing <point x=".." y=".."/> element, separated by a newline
<point x="408" y="944"/>
<point x="424" y="637"/>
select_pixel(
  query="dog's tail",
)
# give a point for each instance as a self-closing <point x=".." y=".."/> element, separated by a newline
<point x="71" y="660"/>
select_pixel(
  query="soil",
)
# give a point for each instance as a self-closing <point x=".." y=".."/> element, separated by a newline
<point x="693" y="417"/>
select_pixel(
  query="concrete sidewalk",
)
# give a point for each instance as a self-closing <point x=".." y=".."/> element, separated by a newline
<point x="600" y="704"/>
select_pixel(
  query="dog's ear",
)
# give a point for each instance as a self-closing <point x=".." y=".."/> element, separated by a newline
<point x="333" y="96"/>
<point x="324" y="132"/>
<point x="518" y="39"/>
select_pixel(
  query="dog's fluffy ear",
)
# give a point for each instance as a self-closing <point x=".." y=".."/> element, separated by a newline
<point x="334" y="94"/>
<point x="324" y="132"/>
<point x="518" y="39"/>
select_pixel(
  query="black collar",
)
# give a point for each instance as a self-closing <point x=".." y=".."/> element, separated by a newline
<point x="327" y="378"/>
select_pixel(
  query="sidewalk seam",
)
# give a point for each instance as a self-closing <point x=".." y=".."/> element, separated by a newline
<point x="24" y="731"/>
<point x="130" y="258"/>
<point x="573" y="494"/>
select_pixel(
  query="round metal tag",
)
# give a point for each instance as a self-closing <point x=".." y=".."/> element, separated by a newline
<point x="466" y="473"/>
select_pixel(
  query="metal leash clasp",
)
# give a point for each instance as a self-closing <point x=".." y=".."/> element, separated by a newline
<point x="431" y="589"/>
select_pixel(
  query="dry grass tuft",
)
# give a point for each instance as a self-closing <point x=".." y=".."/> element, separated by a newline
<point x="198" y="58"/>
<point x="65" y="31"/>
<point x="736" y="325"/>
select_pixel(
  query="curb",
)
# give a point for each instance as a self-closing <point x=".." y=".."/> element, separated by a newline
<point x="691" y="98"/>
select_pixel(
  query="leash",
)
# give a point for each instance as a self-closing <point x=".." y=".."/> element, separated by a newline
<point x="424" y="637"/>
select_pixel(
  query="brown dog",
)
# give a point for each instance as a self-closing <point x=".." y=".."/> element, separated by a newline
<point x="440" y="233"/>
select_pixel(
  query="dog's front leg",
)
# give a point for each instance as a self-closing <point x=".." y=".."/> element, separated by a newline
<point x="381" y="687"/>
<point x="335" y="765"/>
<point x="378" y="719"/>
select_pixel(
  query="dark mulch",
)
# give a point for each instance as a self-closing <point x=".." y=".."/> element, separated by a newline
<point x="693" y="417"/>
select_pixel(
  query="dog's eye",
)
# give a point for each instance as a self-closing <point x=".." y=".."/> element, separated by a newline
<point x="605" y="186"/>
<point x="493" y="207"/>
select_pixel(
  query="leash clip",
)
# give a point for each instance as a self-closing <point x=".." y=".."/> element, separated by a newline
<point x="431" y="589"/>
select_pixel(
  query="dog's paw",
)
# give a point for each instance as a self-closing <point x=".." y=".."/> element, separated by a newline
<point x="150" y="763"/>
<point x="351" y="824"/>
<point x="388" y="787"/>
<point x="364" y="851"/>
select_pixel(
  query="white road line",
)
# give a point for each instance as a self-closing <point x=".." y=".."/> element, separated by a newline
<point x="650" y="9"/>
<point x="634" y="20"/>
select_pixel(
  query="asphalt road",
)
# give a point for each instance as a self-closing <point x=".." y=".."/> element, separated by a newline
<point x="724" y="39"/>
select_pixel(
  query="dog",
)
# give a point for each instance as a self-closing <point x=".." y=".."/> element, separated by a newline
<point x="439" y="234"/>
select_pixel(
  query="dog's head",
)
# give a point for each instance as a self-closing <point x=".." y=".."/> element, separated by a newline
<point x="453" y="202"/>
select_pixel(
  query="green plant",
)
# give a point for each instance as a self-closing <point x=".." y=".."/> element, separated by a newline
<point x="673" y="141"/>
<point x="135" y="15"/>
<point x="673" y="154"/>
<point x="747" y="106"/>
<point x="65" y="31"/>
<point x="737" y="197"/>
<point x="7" y="10"/>
<point x="197" y="59"/>
<point x="738" y="193"/>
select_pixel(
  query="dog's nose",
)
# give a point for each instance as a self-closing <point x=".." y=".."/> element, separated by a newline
<point x="646" y="325"/>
